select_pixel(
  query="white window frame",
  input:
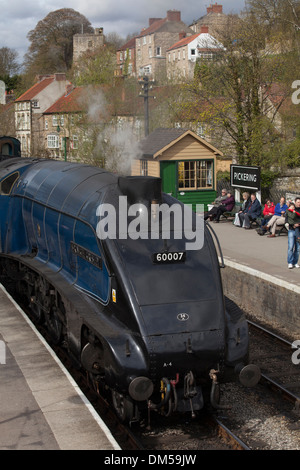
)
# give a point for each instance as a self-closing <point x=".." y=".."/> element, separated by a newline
<point x="52" y="141"/>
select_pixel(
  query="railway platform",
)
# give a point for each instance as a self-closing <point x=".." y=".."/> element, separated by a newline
<point x="256" y="275"/>
<point x="41" y="407"/>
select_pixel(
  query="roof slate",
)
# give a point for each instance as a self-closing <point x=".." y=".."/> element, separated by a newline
<point x="159" y="139"/>
<point x="35" y="89"/>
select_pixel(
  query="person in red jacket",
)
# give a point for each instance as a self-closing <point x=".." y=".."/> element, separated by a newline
<point x="268" y="212"/>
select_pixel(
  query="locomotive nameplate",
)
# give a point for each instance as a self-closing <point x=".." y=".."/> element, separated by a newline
<point x="171" y="257"/>
<point x="86" y="255"/>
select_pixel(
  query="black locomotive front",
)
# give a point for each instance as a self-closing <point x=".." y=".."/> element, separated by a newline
<point x="172" y="300"/>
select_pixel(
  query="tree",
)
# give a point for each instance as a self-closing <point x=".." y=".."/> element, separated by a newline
<point x="51" y="48"/>
<point x="235" y="90"/>
<point x="95" y="68"/>
<point x="9" y="65"/>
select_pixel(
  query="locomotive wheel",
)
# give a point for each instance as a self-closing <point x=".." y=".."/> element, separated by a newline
<point x="123" y="406"/>
<point x="37" y="311"/>
<point x="54" y="325"/>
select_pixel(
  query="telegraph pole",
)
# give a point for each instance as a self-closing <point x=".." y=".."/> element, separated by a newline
<point x="145" y="95"/>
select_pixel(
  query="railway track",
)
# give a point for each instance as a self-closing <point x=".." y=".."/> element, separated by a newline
<point x="180" y="433"/>
<point x="206" y="432"/>
<point x="273" y="354"/>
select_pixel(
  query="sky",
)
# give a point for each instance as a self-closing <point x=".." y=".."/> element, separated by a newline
<point x="18" y="17"/>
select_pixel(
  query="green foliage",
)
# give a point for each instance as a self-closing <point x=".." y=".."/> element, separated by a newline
<point x="96" y="68"/>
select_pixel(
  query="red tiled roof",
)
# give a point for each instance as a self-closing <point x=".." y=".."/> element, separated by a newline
<point x="129" y="45"/>
<point x="70" y="102"/>
<point x="35" y="89"/>
<point x="184" y="41"/>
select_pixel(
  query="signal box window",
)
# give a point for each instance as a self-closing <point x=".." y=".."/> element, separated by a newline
<point x="195" y="174"/>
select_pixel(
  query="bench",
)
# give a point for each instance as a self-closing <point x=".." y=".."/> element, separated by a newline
<point x="232" y="213"/>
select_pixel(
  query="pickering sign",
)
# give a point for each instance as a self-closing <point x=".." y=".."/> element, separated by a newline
<point x="242" y="176"/>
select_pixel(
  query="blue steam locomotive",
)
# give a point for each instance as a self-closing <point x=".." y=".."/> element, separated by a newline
<point x="144" y="316"/>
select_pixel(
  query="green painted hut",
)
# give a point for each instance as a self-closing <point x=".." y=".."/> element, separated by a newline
<point x="186" y="163"/>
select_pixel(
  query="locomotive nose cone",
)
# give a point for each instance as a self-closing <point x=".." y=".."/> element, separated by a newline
<point x="250" y="375"/>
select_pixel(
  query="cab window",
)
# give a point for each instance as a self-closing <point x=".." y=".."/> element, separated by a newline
<point x="6" y="185"/>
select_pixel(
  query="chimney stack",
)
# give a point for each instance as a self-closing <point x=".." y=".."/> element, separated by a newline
<point x="153" y="20"/>
<point x="173" y="15"/>
<point x="215" y="8"/>
<point x="203" y="29"/>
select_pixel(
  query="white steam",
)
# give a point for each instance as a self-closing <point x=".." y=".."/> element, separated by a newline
<point x="114" y="139"/>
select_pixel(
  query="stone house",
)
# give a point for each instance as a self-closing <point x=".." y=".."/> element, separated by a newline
<point x="152" y="43"/>
<point x="182" y="56"/>
<point x="215" y="19"/>
<point x="29" y="109"/>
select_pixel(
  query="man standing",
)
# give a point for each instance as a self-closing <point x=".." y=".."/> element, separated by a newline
<point x="293" y="246"/>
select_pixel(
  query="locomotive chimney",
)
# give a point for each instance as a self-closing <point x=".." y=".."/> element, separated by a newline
<point x="143" y="189"/>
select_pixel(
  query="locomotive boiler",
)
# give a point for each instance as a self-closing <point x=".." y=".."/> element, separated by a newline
<point x="143" y="315"/>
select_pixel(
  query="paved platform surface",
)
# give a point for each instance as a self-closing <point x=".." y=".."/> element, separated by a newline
<point x="266" y="255"/>
<point x="41" y="407"/>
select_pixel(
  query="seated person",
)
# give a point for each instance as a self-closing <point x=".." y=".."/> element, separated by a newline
<point x="226" y="206"/>
<point x="268" y="212"/>
<point x="246" y="202"/>
<point x="251" y="213"/>
<point x="278" y="217"/>
<point x="217" y="202"/>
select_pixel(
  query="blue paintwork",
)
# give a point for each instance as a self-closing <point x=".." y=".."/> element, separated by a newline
<point x="51" y="206"/>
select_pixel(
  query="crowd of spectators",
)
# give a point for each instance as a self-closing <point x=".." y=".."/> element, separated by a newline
<point x="268" y="218"/>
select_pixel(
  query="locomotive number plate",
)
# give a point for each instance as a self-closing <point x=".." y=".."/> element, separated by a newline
<point x="171" y="257"/>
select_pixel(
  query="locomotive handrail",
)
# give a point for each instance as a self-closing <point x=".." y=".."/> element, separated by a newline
<point x="215" y="238"/>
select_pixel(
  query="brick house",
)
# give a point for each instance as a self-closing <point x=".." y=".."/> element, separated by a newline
<point x="126" y="60"/>
<point x="152" y="44"/>
<point x="29" y="109"/>
<point x="182" y="56"/>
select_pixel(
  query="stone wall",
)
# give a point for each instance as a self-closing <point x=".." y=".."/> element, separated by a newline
<point x="276" y="305"/>
<point x="289" y="182"/>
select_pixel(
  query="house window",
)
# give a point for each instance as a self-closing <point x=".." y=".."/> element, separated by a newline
<point x="144" y="168"/>
<point x="35" y="104"/>
<point x="158" y="51"/>
<point x="144" y="40"/>
<point x="46" y="124"/>
<point x="150" y="52"/>
<point x="53" y="141"/>
<point x="54" y="121"/>
<point x="195" y="174"/>
<point x="75" y="142"/>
